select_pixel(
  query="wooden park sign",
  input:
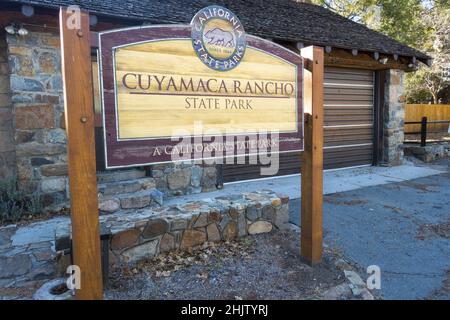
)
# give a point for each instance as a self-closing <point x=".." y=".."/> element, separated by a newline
<point x="163" y="82"/>
<point x="158" y="83"/>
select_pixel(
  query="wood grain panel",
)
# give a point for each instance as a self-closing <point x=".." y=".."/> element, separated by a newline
<point x="150" y="106"/>
<point x="79" y="114"/>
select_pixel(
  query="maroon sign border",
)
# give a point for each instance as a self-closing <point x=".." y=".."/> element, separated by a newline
<point x="128" y="153"/>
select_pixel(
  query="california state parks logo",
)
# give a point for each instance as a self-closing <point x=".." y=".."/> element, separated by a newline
<point x="218" y="38"/>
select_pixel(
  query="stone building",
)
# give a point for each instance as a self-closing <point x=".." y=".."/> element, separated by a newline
<point x="364" y="102"/>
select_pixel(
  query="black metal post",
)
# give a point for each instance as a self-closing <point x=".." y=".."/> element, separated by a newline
<point x="423" y="132"/>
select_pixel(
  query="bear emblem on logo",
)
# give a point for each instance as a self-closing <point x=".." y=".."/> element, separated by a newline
<point x="218" y="38"/>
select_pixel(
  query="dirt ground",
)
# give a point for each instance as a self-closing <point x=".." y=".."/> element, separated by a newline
<point x="265" y="266"/>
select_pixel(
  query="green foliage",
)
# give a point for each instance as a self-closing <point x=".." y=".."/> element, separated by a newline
<point x="422" y="24"/>
<point x="399" y="19"/>
<point x="15" y="205"/>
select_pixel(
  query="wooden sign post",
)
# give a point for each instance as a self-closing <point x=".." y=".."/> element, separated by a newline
<point x="312" y="164"/>
<point x="79" y="113"/>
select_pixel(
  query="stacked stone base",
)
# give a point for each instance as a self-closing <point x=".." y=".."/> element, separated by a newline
<point x="177" y="228"/>
<point x="41" y="250"/>
<point x="147" y="233"/>
<point x="428" y="153"/>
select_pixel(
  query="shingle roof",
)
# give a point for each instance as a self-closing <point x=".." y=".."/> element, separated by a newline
<point x="276" y="19"/>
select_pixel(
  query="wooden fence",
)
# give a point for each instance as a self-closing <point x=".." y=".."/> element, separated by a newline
<point x="415" y="112"/>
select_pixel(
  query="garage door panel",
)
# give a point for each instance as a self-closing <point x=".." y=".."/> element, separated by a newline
<point x="346" y="121"/>
<point x="348" y="99"/>
<point x="346" y="136"/>
<point x="348" y="126"/>
<point x="329" y="90"/>
<point x="347" y="157"/>
<point x="352" y="78"/>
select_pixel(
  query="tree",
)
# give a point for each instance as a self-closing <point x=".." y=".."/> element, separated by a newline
<point x="434" y="79"/>
<point x="399" y="19"/>
<point x="422" y="24"/>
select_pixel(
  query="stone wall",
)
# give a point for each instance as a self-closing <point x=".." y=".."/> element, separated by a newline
<point x="184" y="178"/>
<point x="146" y="235"/>
<point x="37" y="98"/>
<point x="41" y="250"/>
<point x="429" y="153"/>
<point x="394" y="118"/>
<point x="40" y="140"/>
<point x="7" y="145"/>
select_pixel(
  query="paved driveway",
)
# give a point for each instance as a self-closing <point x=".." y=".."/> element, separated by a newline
<point x="402" y="227"/>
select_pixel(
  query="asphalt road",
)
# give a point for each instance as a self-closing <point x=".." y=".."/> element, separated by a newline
<point x="404" y="228"/>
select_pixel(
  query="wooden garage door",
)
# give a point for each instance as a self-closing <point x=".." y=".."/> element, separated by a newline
<point x="348" y="126"/>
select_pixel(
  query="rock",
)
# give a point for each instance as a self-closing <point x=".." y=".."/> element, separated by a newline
<point x="191" y="206"/>
<point x="342" y="265"/>
<point x="53" y="185"/>
<point x="5" y="235"/>
<point x="234" y="213"/>
<point x="209" y="179"/>
<point x="109" y="205"/>
<point x="157" y="196"/>
<point x="284" y="198"/>
<point x="155" y="228"/>
<point x="242" y="225"/>
<point x="179" y="179"/>
<point x="39" y="161"/>
<point x="167" y="243"/>
<point x="140" y="252"/>
<point x="357" y="285"/>
<point x="215" y="216"/>
<point x="24" y="170"/>
<point x="366" y="295"/>
<point x="339" y="292"/>
<point x="276" y="202"/>
<point x="125" y="239"/>
<point x="281" y="217"/>
<point x="38" y="149"/>
<point x="123" y="175"/>
<point x="136" y="201"/>
<point x="260" y="227"/>
<point x="192" y="238"/>
<point x="45" y="291"/>
<point x="196" y="176"/>
<point x="115" y="188"/>
<point x="231" y="231"/>
<point x="268" y="213"/>
<point x="57" y="136"/>
<point x="213" y="233"/>
<point x="25" y="84"/>
<point x="14" y="266"/>
<point x="45" y="271"/>
<point x="201" y="221"/>
<point x="45" y="255"/>
<point x="54" y="170"/>
<point x="253" y="213"/>
<point x="47" y="63"/>
<point x="178" y="224"/>
<point x="224" y="222"/>
<point x="50" y="41"/>
<point x="35" y="117"/>
<point x="147" y="183"/>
